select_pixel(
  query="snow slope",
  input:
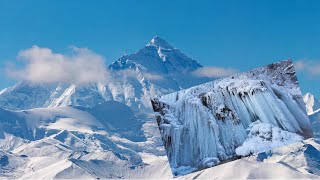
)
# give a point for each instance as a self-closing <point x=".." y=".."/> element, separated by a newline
<point x="296" y="161"/>
<point x="76" y="144"/>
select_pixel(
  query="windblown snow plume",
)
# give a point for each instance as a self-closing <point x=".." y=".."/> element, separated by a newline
<point x="204" y="125"/>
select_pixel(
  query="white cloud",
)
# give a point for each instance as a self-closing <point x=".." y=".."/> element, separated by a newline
<point x="44" y="66"/>
<point x="126" y="73"/>
<point x="150" y="76"/>
<point x="310" y="67"/>
<point x="131" y="73"/>
<point x="214" y="72"/>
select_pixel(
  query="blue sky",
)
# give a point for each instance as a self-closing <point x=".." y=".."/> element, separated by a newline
<point x="237" y="34"/>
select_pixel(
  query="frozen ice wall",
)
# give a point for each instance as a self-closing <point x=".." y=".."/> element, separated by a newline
<point x="202" y="126"/>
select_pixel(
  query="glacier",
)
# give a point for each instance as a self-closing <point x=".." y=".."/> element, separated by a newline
<point x="204" y="125"/>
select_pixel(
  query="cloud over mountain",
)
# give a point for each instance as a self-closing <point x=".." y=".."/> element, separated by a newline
<point x="42" y="65"/>
<point x="310" y="67"/>
<point x="214" y="72"/>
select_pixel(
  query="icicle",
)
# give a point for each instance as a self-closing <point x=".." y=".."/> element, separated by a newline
<point x="204" y="125"/>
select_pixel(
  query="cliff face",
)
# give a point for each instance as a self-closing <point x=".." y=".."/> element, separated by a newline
<point x="204" y="125"/>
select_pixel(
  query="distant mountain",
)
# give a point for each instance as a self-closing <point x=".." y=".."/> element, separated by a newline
<point x="313" y="109"/>
<point x="160" y="58"/>
<point x="155" y="69"/>
<point x="312" y="103"/>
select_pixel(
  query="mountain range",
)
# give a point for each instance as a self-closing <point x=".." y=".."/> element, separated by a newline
<point x="108" y="130"/>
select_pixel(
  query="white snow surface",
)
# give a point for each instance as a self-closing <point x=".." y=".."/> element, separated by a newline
<point x="295" y="161"/>
<point x="264" y="137"/>
<point x="77" y="145"/>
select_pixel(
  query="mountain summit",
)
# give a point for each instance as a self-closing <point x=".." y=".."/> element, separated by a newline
<point x="155" y="69"/>
<point x="160" y="43"/>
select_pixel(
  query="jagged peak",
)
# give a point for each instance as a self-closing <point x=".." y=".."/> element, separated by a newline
<point x="159" y="42"/>
<point x="308" y="96"/>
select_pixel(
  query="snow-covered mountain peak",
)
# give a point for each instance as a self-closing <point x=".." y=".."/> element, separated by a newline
<point x="308" y="96"/>
<point x="158" y="55"/>
<point x="156" y="68"/>
<point x="158" y="42"/>
<point x="162" y="64"/>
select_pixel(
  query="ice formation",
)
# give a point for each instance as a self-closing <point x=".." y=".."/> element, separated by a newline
<point x="202" y="126"/>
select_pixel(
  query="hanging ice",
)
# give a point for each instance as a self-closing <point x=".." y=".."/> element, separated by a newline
<point x="202" y="126"/>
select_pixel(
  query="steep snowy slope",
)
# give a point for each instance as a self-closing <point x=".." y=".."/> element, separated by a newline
<point x="26" y="95"/>
<point x="76" y="144"/>
<point x="161" y="64"/>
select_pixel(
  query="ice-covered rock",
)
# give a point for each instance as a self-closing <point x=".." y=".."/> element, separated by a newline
<point x="210" y="120"/>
